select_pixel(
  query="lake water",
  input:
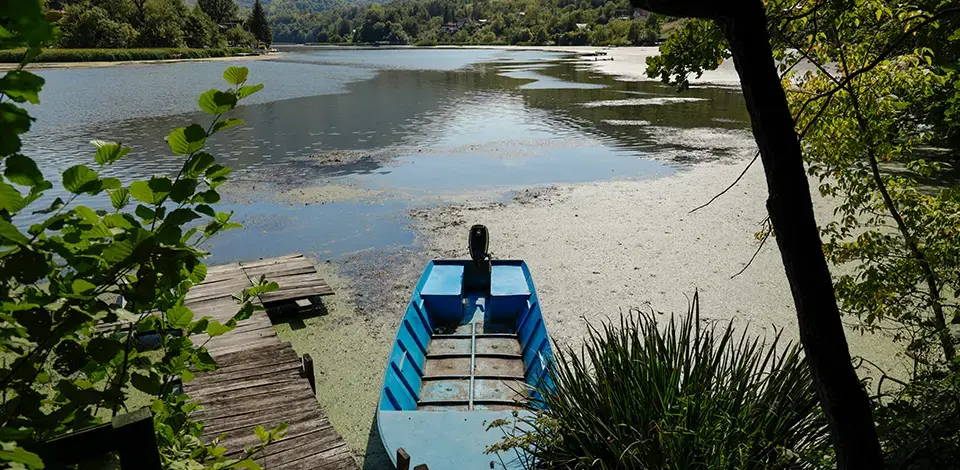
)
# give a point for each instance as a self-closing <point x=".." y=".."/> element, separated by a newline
<point x="418" y="126"/>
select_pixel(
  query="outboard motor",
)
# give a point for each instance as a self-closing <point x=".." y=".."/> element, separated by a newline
<point x="479" y="242"/>
<point x="476" y="276"/>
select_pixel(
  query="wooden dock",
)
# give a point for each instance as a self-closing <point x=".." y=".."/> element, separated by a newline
<point x="262" y="381"/>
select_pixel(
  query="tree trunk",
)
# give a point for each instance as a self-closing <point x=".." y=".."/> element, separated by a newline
<point x="842" y="397"/>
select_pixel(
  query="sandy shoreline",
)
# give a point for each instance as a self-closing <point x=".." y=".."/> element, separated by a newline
<point x="629" y="63"/>
<point x="123" y="63"/>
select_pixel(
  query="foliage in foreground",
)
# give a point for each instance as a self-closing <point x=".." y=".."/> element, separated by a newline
<point x="679" y="395"/>
<point x="70" y="353"/>
<point x="112" y="55"/>
<point x="920" y="423"/>
<point x="875" y="93"/>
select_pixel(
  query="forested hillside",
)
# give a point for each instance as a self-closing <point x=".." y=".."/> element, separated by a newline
<point x="427" y="22"/>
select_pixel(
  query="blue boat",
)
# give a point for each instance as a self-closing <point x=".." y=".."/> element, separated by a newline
<point x="470" y="349"/>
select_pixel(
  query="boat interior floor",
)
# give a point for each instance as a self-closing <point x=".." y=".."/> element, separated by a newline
<point x="474" y="368"/>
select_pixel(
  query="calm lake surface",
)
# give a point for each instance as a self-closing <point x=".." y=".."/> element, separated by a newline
<point x="416" y="127"/>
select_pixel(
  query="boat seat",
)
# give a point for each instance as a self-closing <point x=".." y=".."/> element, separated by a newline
<point x="467" y="371"/>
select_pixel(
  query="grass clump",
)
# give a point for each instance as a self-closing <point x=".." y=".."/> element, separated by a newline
<point x="112" y="55"/>
<point x="675" y="395"/>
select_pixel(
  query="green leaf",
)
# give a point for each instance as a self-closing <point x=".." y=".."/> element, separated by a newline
<point x="248" y="90"/>
<point x="86" y="213"/>
<point x="205" y="361"/>
<point x="21" y="456"/>
<point x="180" y="216"/>
<point x="216" y="328"/>
<point x="198" y="163"/>
<point x="117" y="221"/>
<point x="279" y="430"/>
<point x="22" y="86"/>
<point x="153" y="191"/>
<point x="235" y="75"/>
<point x="9" y="232"/>
<point x="209" y="196"/>
<point x="18" y="434"/>
<point x="245" y="312"/>
<point x="13" y="122"/>
<point x="22" y="170"/>
<point x="109" y="152"/>
<point x="199" y="326"/>
<point x="226" y="124"/>
<point x="119" y="198"/>
<point x="110" y="183"/>
<point x="103" y="349"/>
<point x="118" y="251"/>
<point x="955" y="35"/>
<point x="145" y="212"/>
<point x="10" y="199"/>
<point x="217" y="171"/>
<point x="79" y="179"/>
<point x="179" y="317"/>
<point x="183" y="189"/>
<point x="206" y="210"/>
<point x="261" y="433"/>
<point x="200" y="272"/>
<point x="149" y="323"/>
<point x="217" y="102"/>
<point x="147" y="384"/>
<point x="82" y="286"/>
<point x="186" y="140"/>
<point x="247" y="463"/>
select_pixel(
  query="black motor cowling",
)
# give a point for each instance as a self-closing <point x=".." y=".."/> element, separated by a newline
<point x="479" y="242"/>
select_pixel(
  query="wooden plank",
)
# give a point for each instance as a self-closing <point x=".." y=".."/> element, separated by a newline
<point x="213" y="271"/>
<point x="275" y="353"/>
<point x="298" y="424"/>
<point x="252" y="389"/>
<point x="254" y="364"/>
<point x="271" y="261"/>
<point x="286" y="268"/>
<point x="237" y="410"/>
<point x="296" y="293"/>
<point x="220" y="349"/>
<point x="300" y="448"/>
<point x="336" y="458"/>
<point x="282" y="271"/>
<point x="267" y="419"/>
<point x="247" y="374"/>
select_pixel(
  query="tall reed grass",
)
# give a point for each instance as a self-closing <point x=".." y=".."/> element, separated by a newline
<point x="680" y="394"/>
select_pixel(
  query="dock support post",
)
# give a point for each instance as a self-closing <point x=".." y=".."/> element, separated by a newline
<point x="306" y="371"/>
<point x="403" y="459"/>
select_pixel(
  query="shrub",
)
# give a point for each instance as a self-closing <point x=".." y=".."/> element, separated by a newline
<point x="679" y="395"/>
<point x="239" y="37"/>
<point x="110" y="55"/>
<point x="919" y="425"/>
<point x="86" y="26"/>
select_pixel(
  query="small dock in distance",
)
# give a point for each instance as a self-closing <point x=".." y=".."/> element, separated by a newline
<point x="262" y="381"/>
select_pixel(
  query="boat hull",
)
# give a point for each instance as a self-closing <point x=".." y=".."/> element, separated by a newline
<point x="471" y="349"/>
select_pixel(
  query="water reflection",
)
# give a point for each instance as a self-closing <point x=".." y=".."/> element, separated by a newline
<point x="417" y="122"/>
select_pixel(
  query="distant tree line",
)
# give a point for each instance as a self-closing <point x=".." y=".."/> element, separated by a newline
<point x="428" y="22"/>
<point x="158" y="23"/>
